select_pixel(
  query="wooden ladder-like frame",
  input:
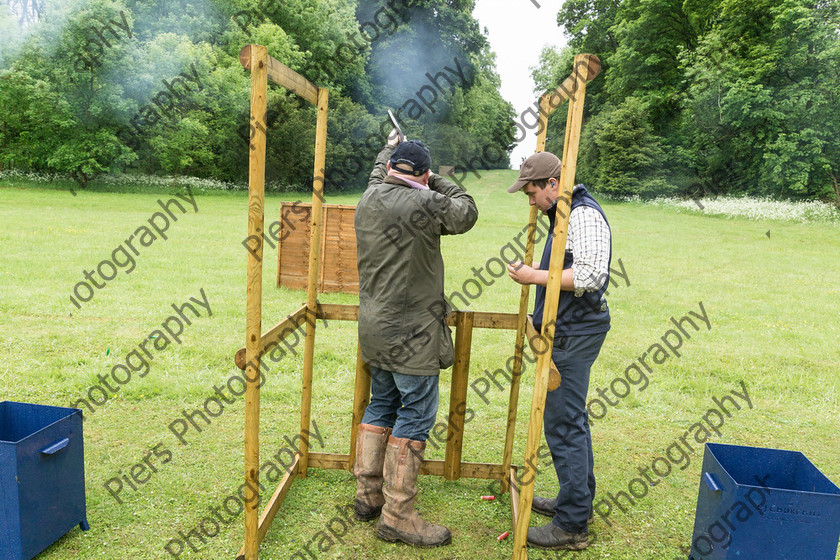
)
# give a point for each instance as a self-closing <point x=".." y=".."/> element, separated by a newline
<point x="263" y="67"/>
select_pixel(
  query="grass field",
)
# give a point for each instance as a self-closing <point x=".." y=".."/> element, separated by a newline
<point x="772" y="305"/>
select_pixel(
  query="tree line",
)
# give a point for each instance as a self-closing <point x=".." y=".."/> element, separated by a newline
<point x="705" y="97"/>
<point x="91" y="87"/>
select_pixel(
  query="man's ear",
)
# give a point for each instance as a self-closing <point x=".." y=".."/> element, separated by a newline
<point x="427" y="176"/>
<point x="388" y="165"/>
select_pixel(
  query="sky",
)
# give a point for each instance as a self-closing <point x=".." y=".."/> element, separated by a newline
<point x="518" y="30"/>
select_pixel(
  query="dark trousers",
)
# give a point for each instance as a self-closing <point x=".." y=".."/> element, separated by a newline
<point x="567" y="430"/>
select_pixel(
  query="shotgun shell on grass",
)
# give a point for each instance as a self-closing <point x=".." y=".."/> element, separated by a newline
<point x="503" y="536"/>
<point x="488" y="498"/>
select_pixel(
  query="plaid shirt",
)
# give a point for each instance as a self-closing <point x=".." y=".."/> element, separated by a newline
<point x="589" y="242"/>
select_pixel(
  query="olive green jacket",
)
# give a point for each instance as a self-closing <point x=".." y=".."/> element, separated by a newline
<point x="401" y="301"/>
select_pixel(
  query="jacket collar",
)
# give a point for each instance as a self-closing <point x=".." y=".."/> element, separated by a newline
<point x="577" y="190"/>
<point x="394" y="180"/>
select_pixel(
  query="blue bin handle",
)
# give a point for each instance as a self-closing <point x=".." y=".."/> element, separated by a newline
<point x="712" y="482"/>
<point x="56" y="447"/>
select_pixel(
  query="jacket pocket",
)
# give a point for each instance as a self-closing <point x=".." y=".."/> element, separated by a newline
<point x="446" y="352"/>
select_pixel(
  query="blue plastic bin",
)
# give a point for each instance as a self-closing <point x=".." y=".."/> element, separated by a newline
<point x="764" y="504"/>
<point x="42" y="477"/>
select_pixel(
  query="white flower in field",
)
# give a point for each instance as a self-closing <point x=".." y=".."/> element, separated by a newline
<point x="129" y="180"/>
<point x="757" y="208"/>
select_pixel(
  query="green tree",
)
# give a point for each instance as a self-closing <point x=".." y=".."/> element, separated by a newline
<point x="741" y="96"/>
<point x="620" y="153"/>
<point x="181" y="148"/>
<point x="203" y="21"/>
<point x="91" y="84"/>
<point x="484" y="117"/>
<point x="11" y="34"/>
<point x="652" y="35"/>
<point x="26" y="133"/>
<point x="312" y="33"/>
<point x="73" y="110"/>
<point x="554" y="66"/>
<point x="763" y="98"/>
<point x="431" y="35"/>
<point x="589" y="25"/>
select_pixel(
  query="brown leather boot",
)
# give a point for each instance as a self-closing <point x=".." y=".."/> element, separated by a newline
<point x="400" y="521"/>
<point x="370" y="454"/>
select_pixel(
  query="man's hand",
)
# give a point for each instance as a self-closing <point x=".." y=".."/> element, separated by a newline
<point x="393" y="137"/>
<point x="522" y="273"/>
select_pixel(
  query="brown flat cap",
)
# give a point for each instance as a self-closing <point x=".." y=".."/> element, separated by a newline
<point x="542" y="165"/>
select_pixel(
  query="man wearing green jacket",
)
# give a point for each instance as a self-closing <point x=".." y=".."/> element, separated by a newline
<point x="402" y="332"/>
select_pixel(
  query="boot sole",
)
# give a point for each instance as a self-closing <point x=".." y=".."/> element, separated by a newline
<point x="390" y="535"/>
<point x="569" y="546"/>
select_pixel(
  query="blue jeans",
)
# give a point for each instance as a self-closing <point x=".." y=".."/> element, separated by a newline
<point x="566" y="428"/>
<point x="406" y="403"/>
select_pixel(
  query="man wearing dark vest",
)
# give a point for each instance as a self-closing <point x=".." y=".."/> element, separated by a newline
<point x="583" y="320"/>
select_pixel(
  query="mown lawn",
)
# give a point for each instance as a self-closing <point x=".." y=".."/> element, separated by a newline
<point x="772" y="304"/>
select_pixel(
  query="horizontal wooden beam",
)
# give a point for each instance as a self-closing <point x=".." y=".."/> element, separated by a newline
<point x="338" y="312"/>
<point x="481" y="319"/>
<point x="341" y="461"/>
<point x="468" y="470"/>
<point x="284" y="76"/>
<point x="273" y="505"/>
<point x="334" y="461"/>
<point x="273" y="336"/>
<point x="489" y="320"/>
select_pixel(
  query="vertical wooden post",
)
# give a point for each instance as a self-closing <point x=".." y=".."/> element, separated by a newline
<point x="519" y="347"/>
<point x="552" y="300"/>
<point x="458" y="394"/>
<point x="361" y="398"/>
<point x="253" y="328"/>
<point x="312" y="282"/>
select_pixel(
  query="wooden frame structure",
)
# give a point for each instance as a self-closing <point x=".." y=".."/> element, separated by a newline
<point x="263" y="67"/>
